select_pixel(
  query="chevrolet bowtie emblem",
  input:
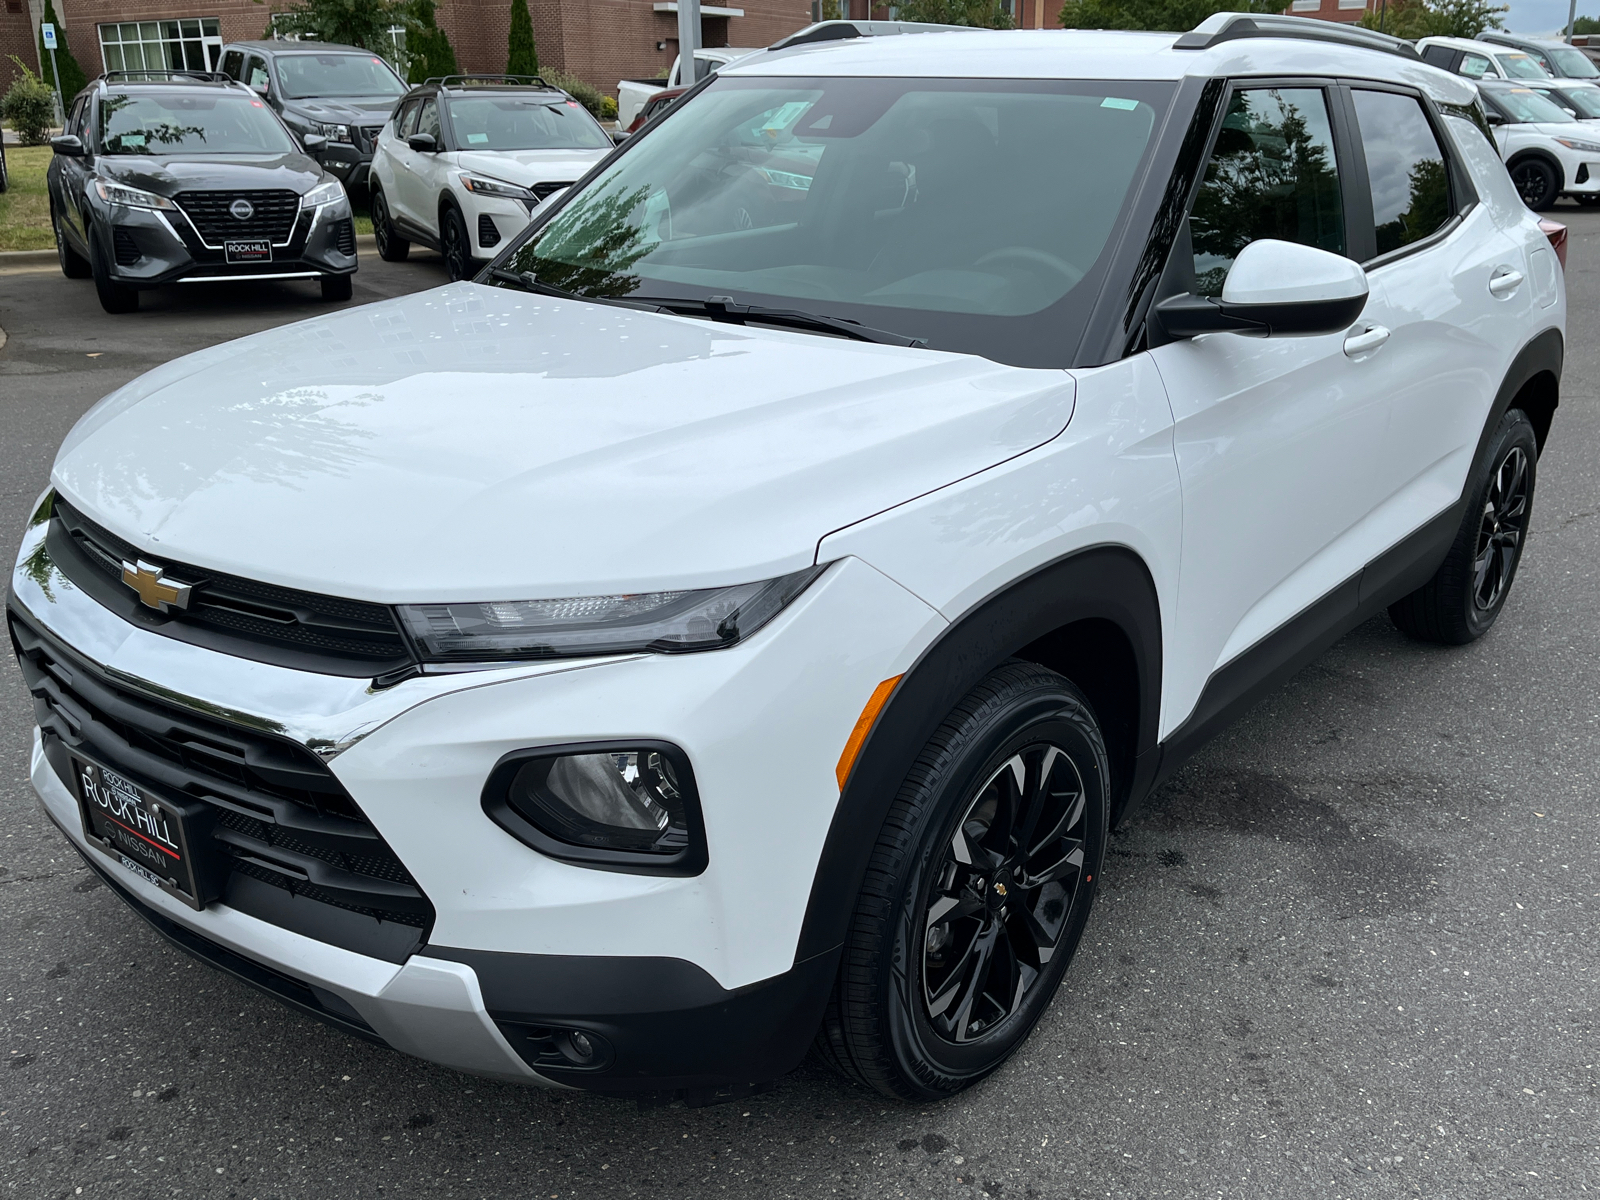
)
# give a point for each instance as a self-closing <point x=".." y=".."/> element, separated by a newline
<point x="154" y="590"/>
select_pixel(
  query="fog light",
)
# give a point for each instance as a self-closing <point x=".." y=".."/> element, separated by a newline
<point x="581" y="1049"/>
<point x="627" y="807"/>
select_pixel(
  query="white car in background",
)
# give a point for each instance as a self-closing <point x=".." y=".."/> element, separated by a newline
<point x="1549" y="152"/>
<point x="467" y="158"/>
<point x="1582" y="100"/>
<point x="1479" y="60"/>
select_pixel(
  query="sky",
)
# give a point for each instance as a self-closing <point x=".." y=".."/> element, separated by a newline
<point x="1545" y="16"/>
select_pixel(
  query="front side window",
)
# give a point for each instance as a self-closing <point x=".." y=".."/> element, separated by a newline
<point x="1583" y="102"/>
<point x="405" y="121"/>
<point x="428" y="121"/>
<point x="1405" y="166"/>
<point x="1273" y="174"/>
<point x="1524" y="106"/>
<point x="948" y="210"/>
<point x="305" y="75"/>
<point x="1473" y="66"/>
<point x="511" y="122"/>
<point x="194" y="122"/>
<point x="256" y="74"/>
<point x="1567" y="63"/>
<point x="1517" y="65"/>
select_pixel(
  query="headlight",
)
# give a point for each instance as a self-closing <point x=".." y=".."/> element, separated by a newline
<point x="323" y="193"/>
<point x="1575" y="144"/>
<point x="664" y="622"/>
<point x="624" y="807"/>
<point x="121" y="193"/>
<point x="334" y="133"/>
<point x="481" y="186"/>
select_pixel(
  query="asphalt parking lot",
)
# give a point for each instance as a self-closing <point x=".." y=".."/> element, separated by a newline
<point x="1350" y="952"/>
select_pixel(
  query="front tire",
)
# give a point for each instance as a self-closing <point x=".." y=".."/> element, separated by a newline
<point x="457" y="248"/>
<point x="114" y="297"/>
<point x="73" y="264"/>
<point x="1466" y="594"/>
<point x="1537" y="183"/>
<point x="391" y="246"/>
<point x="337" y="288"/>
<point x="977" y="891"/>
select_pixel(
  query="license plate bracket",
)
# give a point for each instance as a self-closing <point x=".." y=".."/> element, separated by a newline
<point x="161" y="840"/>
<point x="253" y="250"/>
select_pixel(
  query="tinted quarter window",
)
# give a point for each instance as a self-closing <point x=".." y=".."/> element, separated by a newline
<point x="1272" y="174"/>
<point x="1410" y="186"/>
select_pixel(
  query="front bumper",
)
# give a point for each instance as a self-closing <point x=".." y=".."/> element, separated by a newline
<point x="688" y="983"/>
<point x="148" y="248"/>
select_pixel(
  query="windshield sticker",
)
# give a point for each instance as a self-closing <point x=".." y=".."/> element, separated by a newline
<point x="477" y="139"/>
<point x="1118" y="102"/>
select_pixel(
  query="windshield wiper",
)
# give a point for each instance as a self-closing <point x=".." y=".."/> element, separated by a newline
<point x="528" y="282"/>
<point x="724" y="308"/>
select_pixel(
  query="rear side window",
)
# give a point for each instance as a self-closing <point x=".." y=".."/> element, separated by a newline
<point x="1473" y="66"/>
<point x="1272" y="174"/>
<point x="1438" y="56"/>
<point x="1405" y="166"/>
<point x="233" y="64"/>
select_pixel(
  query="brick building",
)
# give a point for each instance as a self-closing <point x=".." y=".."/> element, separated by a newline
<point x="600" y="41"/>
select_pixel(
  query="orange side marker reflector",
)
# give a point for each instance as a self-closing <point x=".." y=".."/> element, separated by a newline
<point x="864" y="723"/>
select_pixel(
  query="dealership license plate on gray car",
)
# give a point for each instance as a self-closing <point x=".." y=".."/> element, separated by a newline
<point x="256" y="250"/>
<point x="148" y="835"/>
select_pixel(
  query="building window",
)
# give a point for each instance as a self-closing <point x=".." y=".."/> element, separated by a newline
<point x="1305" y="6"/>
<point x="192" y="44"/>
<point x="1358" y="5"/>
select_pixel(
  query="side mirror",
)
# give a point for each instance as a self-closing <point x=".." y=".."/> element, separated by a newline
<point x="68" y="144"/>
<point x="1494" y="118"/>
<point x="618" y="136"/>
<point x="314" y="143"/>
<point x="423" y="143"/>
<point x="1274" y="289"/>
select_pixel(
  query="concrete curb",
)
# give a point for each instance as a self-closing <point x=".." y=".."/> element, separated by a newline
<point x="30" y="258"/>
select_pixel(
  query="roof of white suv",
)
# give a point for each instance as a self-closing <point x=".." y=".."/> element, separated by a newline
<point x="1088" y="54"/>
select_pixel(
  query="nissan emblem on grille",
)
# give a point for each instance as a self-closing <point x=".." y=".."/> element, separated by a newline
<point x="242" y="209"/>
<point x="155" y="590"/>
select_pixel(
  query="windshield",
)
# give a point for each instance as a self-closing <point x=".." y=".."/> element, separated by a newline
<point x="972" y="214"/>
<point x="524" y="123"/>
<point x="1585" y="99"/>
<point x="1517" y="65"/>
<point x="1571" y="64"/>
<point x="1526" y="105"/>
<point x="190" y="123"/>
<point x="305" y="75"/>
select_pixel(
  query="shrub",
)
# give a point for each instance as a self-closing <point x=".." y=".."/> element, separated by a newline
<point x="523" y="58"/>
<point x="585" y="94"/>
<point x="30" y="106"/>
<point x="428" y="49"/>
<point x="608" y="109"/>
<point x="72" y="80"/>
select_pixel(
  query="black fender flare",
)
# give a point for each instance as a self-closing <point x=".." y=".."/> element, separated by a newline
<point x="1543" y="355"/>
<point x="1100" y="583"/>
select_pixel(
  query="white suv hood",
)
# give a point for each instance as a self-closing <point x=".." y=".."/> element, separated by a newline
<point x="480" y="443"/>
<point x="531" y="166"/>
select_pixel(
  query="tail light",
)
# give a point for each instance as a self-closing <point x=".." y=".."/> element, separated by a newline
<point x="1557" y="233"/>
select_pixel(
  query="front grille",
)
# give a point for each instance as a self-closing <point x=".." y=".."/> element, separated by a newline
<point x="367" y="136"/>
<point x="125" y="247"/>
<point x="273" y="214"/>
<point x="283" y="819"/>
<point x="242" y="617"/>
<point x="545" y="190"/>
<point x="488" y="235"/>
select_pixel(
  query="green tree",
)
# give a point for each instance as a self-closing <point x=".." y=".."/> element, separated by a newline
<point x="1586" y="25"/>
<point x="1166" y="15"/>
<point x="1414" y="19"/>
<point x="364" y="23"/>
<point x="523" y="58"/>
<point x="984" y="14"/>
<point x="428" y="50"/>
<point x="73" y="80"/>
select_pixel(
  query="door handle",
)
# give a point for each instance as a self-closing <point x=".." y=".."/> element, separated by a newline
<point x="1504" y="281"/>
<point x="1368" y="339"/>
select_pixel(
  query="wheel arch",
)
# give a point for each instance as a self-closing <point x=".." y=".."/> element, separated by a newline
<point x="1545" y="157"/>
<point x="1533" y="384"/>
<point x="1093" y="615"/>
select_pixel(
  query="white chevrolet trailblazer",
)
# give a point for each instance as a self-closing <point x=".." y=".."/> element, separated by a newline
<point x="734" y="622"/>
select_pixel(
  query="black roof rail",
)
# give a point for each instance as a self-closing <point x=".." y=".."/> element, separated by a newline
<point x="498" y="77"/>
<point x="166" y="74"/>
<point x="835" y="31"/>
<point x="1228" y="27"/>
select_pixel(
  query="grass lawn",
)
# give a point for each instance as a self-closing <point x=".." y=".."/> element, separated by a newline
<point x="25" y="208"/>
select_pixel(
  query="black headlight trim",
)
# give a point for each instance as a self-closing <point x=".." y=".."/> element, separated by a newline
<point x="497" y="804"/>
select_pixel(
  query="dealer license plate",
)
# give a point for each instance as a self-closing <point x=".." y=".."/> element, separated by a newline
<point x="256" y="250"/>
<point x="149" y="835"/>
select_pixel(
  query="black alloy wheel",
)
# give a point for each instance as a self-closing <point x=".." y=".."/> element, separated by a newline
<point x="976" y="893"/>
<point x="73" y="264"/>
<point x="1462" y="600"/>
<point x="1536" y="183"/>
<point x="391" y="246"/>
<point x="114" y="297"/>
<point x="998" y="903"/>
<point x="457" y="249"/>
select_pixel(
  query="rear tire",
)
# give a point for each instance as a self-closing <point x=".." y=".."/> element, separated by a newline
<point x="391" y="246"/>
<point x="455" y="244"/>
<point x="969" y="915"/>
<point x="1537" y="183"/>
<point x="73" y="264"/>
<point x="337" y="288"/>
<point x="114" y="297"/>
<point x="1460" y="603"/>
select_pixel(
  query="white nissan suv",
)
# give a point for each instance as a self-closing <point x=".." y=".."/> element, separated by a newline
<point x="465" y="160"/>
<point x="734" y="622"/>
